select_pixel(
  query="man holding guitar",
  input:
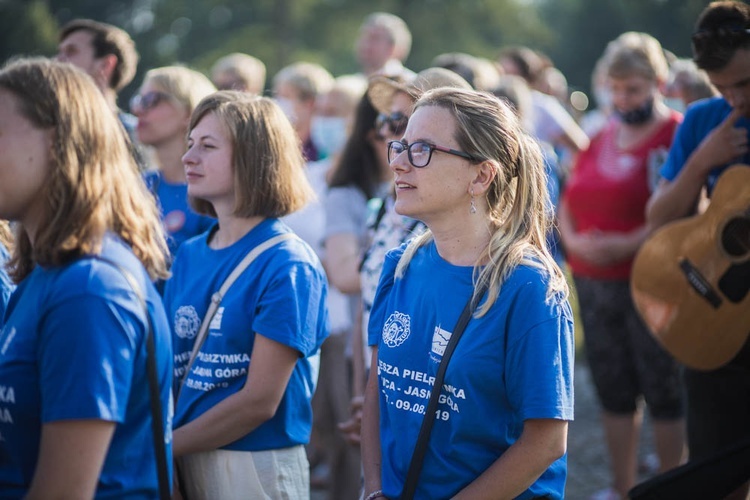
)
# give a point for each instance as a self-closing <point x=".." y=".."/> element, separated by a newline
<point x="713" y="136"/>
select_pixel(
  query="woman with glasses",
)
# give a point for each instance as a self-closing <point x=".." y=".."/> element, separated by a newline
<point x="75" y="407"/>
<point x="163" y="106"/>
<point x="393" y="100"/>
<point x="467" y="170"/>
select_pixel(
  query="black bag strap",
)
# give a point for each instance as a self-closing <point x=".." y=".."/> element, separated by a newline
<point x="417" y="457"/>
<point x="157" y="424"/>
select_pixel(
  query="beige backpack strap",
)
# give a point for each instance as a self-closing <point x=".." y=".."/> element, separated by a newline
<point x="217" y="297"/>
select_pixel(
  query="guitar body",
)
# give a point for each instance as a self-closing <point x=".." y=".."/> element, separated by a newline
<point x="691" y="278"/>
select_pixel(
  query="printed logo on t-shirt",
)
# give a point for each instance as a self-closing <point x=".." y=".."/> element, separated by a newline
<point x="186" y="322"/>
<point x="440" y="340"/>
<point x="216" y="323"/>
<point x="397" y="329"/>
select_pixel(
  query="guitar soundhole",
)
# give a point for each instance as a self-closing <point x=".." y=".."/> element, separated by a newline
<point x="736" y="237"/>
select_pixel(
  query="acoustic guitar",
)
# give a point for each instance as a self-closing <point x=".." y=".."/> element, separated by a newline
<point x="691" y="279"/>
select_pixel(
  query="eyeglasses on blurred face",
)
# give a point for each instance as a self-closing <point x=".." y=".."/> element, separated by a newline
<point x="420" y="152"/>
<point x="396" y="122"/>
<point x="147" y="101"/>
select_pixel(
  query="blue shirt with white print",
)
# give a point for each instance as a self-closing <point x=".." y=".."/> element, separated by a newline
<point x="281" y="295"/>
<point x="73" y="348"/>
<point x="512" y="364"/>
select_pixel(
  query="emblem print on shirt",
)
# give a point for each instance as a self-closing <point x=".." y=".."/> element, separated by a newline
<point x="216" y="322"/>
<point x="396" y="329"/>
<point x="440" y="340"/>
<point x="186" y="322"/>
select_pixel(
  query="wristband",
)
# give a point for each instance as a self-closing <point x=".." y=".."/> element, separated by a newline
<point x="375" y="494"/>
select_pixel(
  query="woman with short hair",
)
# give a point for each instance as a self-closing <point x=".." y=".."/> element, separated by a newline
<point x="243" y="413"/>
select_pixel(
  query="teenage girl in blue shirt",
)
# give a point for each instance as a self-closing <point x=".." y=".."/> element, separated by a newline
<point x="75" y="409"/>
<point x="243" y="413"/>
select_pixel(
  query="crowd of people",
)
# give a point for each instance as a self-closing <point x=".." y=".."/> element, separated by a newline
<point x="259" y="292"/>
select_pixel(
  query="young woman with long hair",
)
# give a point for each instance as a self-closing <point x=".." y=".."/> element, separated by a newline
<point x="76" y="416"/>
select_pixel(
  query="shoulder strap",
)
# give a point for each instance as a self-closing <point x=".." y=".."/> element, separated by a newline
<point x="218" y="296"/>
<point x="420" y="449"/>
<point x="157" y="424"/>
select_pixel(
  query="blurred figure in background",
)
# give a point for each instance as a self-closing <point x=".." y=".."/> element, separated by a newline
<point x="515" y="91"/>
<point x="239" y="71"/>
<point x="602" y="223"/>
<point x="163" y="105"/>
<point x="687" y="83"/>
<point x="479" y="72"/>
<point x="383" y="45"/>
<point x="296" y="88"/>
<point x="333" y="462"/>
<point x="108" y="55"/>
<point x="550" y="120"/>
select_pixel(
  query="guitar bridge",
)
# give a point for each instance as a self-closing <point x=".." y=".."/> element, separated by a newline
<point x="700" y="284"/>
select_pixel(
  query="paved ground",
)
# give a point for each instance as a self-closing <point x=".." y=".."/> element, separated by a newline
<point x="588" y="466"/>
<point x="588" y="463"/>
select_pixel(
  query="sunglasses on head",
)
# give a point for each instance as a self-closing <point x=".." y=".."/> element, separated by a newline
<point x="396" y="122"/>
<point x="149" y="100"/>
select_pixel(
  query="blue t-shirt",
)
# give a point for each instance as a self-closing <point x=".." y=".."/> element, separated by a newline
<point x="514" y="363"/>
<point x="281" y="296"/>
<point x="700" y="119"/>
<point x="6" y="285"/>
<point x="73" y="348"/>
<point x="180" y="221"/>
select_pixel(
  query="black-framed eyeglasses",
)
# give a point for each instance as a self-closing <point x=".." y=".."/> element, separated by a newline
<point x="733" y="35"/>
<point x="396" y="122"/>
<point x="420" y="152"/>
<point x="144" y="102"/>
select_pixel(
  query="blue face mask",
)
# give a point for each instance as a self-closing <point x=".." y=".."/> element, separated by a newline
<point x="637" y="116"/>
<point x="329" y="134"/>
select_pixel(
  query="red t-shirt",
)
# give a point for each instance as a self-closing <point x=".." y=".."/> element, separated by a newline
<point x="609" y="187"/>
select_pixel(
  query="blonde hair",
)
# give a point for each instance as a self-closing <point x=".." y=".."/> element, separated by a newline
<point x="309" y="79"/>
<point x="6" y="235"/>
<point x="243" y="68"/>
<point x="396" y="28"/>
<point x="269" y="170"/>
<point x="634" y="53"/>
<point x="185" y="85"/>
<point x="93" y="185"/>
<point x="520" y="210"/>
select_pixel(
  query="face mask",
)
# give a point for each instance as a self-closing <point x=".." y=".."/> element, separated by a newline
<point x="675" y="103"/>
<point x="287" y="106"/>
<point x="637" y="116"/>
<point x="329" y="134"/>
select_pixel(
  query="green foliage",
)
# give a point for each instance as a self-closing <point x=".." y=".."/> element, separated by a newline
<point x="26" y="28"/>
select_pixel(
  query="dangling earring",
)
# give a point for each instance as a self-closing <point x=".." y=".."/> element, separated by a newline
<point x="473" y="207"/>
